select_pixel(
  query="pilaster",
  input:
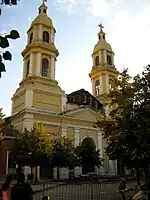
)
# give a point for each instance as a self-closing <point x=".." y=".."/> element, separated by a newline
<point x="29" y="98"/>
<point x="28" y="121"/>
<point x="64" y="130"/>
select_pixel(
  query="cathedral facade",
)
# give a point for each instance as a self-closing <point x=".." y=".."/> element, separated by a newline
<point x="39" y="98"/>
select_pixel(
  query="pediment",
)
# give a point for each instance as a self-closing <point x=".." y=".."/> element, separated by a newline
<point x="85" y="114"/>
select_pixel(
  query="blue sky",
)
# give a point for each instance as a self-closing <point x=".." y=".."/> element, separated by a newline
<point x="127" y="28"/>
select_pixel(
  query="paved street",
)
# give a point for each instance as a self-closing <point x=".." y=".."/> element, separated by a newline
<point x="107" y="191"/>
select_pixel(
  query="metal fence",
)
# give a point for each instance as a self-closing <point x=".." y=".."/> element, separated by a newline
<point x="92" y="190"/>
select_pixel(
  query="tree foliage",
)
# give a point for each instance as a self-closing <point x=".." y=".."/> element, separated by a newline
<point x="87" y="155"/>
<point x="4" y="43"/>
<point x="4" y="40"/>
<point x="127" y="130"/>
<point x="62" y="152"/>
<point x="34" y="143"/>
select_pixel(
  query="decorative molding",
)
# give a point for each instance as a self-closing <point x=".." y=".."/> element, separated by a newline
<point x="77" y="127"/>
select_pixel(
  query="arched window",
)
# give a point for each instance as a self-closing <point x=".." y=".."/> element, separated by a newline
<point x="28" y="68"/>
<point x="97" y="88"/>
<point x="96" y="61"/>
<point x="45" y="65"/>
<point x="109" y="62"/>
<point x="46" y="36"/>
<point x="31" y="38"/>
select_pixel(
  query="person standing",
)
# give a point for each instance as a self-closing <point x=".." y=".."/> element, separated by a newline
<point x="21" y="190"/>
<point x="6" y="188"/>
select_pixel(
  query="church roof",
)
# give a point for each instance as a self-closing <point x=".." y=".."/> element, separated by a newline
<point x="71" y="98"/>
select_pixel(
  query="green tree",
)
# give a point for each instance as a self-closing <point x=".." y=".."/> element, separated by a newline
<point x="62" y="154"/>
<point x="118" y="130"/>
<point x="4" y="43"/>
<point x="87" y="155"/>
<point x="34" y="143"/>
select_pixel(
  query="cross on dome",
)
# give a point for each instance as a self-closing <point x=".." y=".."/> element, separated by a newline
<point x="44" y="1"/>
<point x="101" y="27"/>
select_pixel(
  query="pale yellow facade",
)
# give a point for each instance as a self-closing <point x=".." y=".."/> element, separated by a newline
<point x="39" y="97"/>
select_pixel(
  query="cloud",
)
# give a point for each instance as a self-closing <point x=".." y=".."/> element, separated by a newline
<point x="127" y="25"/>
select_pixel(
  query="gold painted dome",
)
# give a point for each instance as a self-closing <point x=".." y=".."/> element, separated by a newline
<point x="43" y="18"/>
<point x="102" y="44"/>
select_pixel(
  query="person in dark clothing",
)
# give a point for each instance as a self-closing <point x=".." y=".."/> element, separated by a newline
<point x="21" y="190"/>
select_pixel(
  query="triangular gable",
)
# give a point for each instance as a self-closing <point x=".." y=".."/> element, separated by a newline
<point x="85" y="114"/>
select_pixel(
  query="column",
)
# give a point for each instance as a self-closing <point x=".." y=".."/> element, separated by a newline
<point x="29" y="98"/>
<point x="77" y="136"/>
<point x="77" y="170"/>
<point x="40" y="32"/>
<point x="52" y="35"/>
<point x="53" y="68"/>
<point x="101" y="83"/>
<point x="31" y="64"/>
<point x="38" y="69"/>
<point x="100" y="143"/>
<point x="100" y="147"/>
<point x="64" y="130"/>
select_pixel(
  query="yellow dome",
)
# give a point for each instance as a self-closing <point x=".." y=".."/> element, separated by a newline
<point x="102" y="45"/>
<point x="43" y="19"/>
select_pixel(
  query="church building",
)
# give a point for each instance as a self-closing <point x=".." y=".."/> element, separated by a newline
<point x="39" y="98"/>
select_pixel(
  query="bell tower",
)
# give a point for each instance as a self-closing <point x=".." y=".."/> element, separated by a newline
<point x="38" y="90"/>
<point x="103" y="71"/>
<point x="39" y="56"/>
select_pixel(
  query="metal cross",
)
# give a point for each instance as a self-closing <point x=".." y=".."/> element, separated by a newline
<point x="101" y="26"/>
<point x="44" y="1"/>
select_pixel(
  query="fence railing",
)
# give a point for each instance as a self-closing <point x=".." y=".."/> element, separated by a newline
<point x="81" y="191"/>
